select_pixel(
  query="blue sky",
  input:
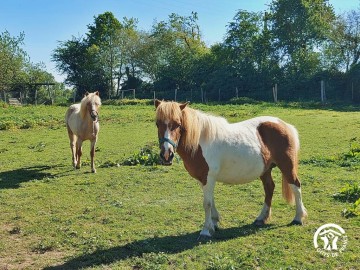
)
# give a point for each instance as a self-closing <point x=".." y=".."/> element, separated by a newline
<point x="45" y="22"/>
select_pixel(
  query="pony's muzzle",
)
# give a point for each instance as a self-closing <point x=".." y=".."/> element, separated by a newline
<point x="167" y="157"/>
<point x="94" y="115"/>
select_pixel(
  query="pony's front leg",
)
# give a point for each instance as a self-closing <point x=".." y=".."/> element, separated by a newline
<point x="73" y="153"/>
<point x="92" y="155"/>
<point x="215" y="215"/>
<point x="208" y="203"/>
<point x="78" y="153"/>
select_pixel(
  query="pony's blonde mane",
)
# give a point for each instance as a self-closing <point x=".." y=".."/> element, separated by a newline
<point x="196" y="124"/>
<point x="90" y="98"/>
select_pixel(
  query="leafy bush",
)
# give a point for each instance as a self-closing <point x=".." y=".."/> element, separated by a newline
<point x="350" y="159"/>
<point x="152" y="261"/>
<point x="350" y="193"/>
<point x="147" y="156"/>
<point x="126" y="101"/>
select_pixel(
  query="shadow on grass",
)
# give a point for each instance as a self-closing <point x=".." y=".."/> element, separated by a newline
<point x="13" y="178"/>
<point x="166" y="244"/>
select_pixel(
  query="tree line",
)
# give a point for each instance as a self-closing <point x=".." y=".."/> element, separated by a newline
<point x="29" y="81"/>
<point x="294" y="44"/>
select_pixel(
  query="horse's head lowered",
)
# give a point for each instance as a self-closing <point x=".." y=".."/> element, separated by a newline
<point x="169" y="124"/>
<point x="91" y="103"/>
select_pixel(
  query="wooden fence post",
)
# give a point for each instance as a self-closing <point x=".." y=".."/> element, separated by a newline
<point x="275" y="93"/>
<point x="323" y="92"/>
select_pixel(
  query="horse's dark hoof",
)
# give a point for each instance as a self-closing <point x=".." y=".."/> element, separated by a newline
<point x="204" y="238"/>
<point x="296" y="222"/>
<point x="258" y="222"/>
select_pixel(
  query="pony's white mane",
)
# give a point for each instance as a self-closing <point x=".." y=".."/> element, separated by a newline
<point x="209" y="126"/>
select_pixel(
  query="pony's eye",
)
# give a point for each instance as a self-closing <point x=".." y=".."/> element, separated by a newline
<point x="175" y="126"/>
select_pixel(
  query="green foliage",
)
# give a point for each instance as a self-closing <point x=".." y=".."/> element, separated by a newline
<point x="13" y="59"/>
<point x="152" y="261"/>
<point x="30" y="117"/>
<point x="148" y="156"/>
<point x="350" y="159"/>
<point x="350" y="193"/>
<point x="126" y="101"/>
<point x="222" y="263"/>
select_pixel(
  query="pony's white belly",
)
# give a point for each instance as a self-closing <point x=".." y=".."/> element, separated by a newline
<point x="236" y="170"/>
<point x="237" y="160"/>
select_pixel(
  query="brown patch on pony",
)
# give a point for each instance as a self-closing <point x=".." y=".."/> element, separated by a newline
<point x="195" y="164"/>
<point x="279" y="147"/>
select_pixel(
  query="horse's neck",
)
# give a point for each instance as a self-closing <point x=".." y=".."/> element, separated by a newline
<point x="83" y="113"/>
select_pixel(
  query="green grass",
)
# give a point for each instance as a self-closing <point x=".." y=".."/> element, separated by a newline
<point x="149" y="217"/>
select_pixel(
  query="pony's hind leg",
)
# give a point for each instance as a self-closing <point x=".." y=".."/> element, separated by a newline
<point x="300" y="209"/>
<point x="269" y="187"/>
<point x="292" y="193"/>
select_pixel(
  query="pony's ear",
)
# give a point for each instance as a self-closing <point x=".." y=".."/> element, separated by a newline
<point x="182" y="106"/>
<point x="157" y="103"/>
<point x="86" y="94"/>
<point x="97" y="93"/>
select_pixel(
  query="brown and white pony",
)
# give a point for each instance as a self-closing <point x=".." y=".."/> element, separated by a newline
<point x="214" y="150"/>
<point x="82" y="122"/>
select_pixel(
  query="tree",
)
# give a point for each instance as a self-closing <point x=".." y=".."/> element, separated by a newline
<point x="12" y="60"/>
<point x="36" y="91"/>
<point x="300" y="24"/>
<point x="78" y="61"/>
<point x="103" y="37"/>
<point x="342" y="51"/>
<point x="299" y="29"/>
<point x="99" y="61"/>
<point x="170" y="50"/>
<point x="248" y="47"/>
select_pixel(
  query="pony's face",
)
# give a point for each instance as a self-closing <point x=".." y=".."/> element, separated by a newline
<point x="169" y="125"/>
<point x="93" y="103"/>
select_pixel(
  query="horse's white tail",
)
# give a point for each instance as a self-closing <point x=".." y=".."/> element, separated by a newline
<point x="287" y="192"/>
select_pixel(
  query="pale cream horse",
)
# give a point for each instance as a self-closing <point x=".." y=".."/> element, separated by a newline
<point x="82" y="122"/>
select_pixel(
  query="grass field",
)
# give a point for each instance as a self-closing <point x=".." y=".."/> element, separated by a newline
<point x="149" y="217"/>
